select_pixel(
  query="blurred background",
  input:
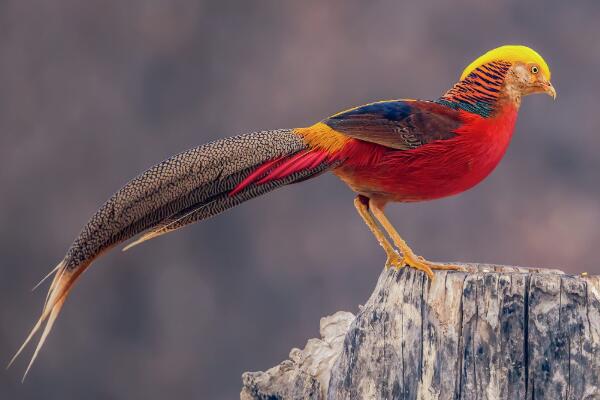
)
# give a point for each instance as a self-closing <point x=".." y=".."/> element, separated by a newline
<point x="94" y="92"/>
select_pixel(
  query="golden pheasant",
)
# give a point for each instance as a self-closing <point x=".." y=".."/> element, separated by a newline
<point x="388" y="151"/>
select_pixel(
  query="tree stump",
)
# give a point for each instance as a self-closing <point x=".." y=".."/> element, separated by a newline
<point x="495" y="332"/>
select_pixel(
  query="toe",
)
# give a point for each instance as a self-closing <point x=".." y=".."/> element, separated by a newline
<point x="447" y="267"/>
<point x="420" y="265"/>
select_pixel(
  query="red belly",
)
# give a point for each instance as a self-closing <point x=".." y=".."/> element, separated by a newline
<point x="435" y="170"/>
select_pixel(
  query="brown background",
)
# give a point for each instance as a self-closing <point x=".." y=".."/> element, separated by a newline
<point x="93" y="92"/>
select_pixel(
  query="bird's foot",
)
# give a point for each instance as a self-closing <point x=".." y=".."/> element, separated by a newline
<point x="394" y="260"/>
<point x="419" y="263"/>
<point x="397" y="261"/>
<point x="428" y="267"/>
<point x="443" y="266"/>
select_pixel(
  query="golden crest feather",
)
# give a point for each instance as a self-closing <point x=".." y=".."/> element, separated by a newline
<point x="510" y="53"/>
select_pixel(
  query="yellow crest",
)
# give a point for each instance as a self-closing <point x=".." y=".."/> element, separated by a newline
<point x="510" y="53"/>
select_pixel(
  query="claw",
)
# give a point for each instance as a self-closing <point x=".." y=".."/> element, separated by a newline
<point x="419" y="263"/>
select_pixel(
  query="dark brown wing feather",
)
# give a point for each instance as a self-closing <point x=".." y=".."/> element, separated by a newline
<point x="399" y="124"/>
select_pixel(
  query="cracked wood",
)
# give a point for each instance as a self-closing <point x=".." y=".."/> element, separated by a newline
<point x="493" y="333"/>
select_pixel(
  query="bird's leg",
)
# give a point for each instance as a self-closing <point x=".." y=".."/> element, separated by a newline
<point x="409" y="257"/>
<point x="393" y="259"/>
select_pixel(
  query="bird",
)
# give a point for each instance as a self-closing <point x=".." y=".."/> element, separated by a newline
<point x="402" y="150"/>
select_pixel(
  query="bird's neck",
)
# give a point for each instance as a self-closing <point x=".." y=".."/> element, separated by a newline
<point x="483" y="91"/>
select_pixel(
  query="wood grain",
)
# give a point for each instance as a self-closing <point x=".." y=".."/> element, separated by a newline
<point x="494" y="332"/>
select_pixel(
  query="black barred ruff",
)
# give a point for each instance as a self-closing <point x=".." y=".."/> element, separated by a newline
<point x="479" y="91"/>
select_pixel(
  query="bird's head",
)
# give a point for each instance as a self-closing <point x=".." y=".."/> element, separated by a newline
<point x="527" y="73"/>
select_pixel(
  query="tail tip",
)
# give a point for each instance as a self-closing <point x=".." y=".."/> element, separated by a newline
<point x="57" y="293"/>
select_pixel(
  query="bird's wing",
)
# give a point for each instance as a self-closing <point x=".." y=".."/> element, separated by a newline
<point x="398" y="124"/>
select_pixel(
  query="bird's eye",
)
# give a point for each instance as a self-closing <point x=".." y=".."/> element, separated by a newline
<point x="535" y="69"/>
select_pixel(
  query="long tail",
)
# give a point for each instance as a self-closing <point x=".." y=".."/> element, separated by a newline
<point x="188" y="187"/>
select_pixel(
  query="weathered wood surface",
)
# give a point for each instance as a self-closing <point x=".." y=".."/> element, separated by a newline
<point x="495" y="332"/>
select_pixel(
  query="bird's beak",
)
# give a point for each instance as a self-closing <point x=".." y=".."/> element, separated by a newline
<point x="549" y="90"/>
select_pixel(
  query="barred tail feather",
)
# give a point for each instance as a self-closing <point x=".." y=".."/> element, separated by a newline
<point x="188" y="187"/>
<point x="265" y="178"/>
